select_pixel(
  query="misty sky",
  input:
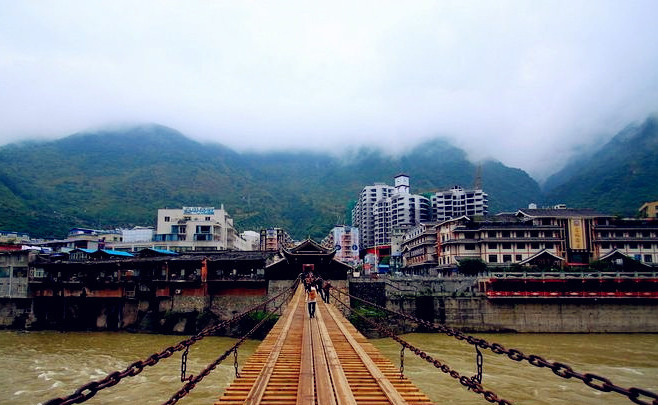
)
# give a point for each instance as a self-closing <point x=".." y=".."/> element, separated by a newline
<point x="525" y="82"/>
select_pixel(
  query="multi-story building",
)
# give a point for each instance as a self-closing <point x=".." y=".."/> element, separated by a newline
<point x="365" y="212"/>
<point x="545" y="237"/>
<point x="649" y="210"/>
<point x="458" y="202"/>
<point x="195" y="229"/>
<point x="14" y="272"/>
<point x="274" y="239"/>
<point x="419" y="249"/>
<point x="382" y="208"/>
<point x="345" y="240"/>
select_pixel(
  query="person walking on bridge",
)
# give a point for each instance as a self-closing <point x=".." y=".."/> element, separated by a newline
<point x="326" y="287"/>
<point x="311" y="297"/>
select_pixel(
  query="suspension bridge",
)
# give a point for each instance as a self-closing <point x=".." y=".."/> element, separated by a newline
<point x="325" y="360"/>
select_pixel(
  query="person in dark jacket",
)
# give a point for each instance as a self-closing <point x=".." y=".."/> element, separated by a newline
<point x="326" y="287"/>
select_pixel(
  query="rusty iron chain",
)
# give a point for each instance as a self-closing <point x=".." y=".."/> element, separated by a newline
<point x="597" y="382"/>
<point x="470" y="383"/>
<point x="183" y="365"/>
<point x="90" y="389"/>
<point x="191" y="384"/>
<point x="235" y="362"/>
<point x="478" y="363"/>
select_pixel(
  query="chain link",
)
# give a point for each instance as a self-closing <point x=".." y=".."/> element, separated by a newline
<point x="402" y="362"/>
<point x="636" y="395"/>
<point x="235" y="362"/>
<point x="183" y="366"/>
<point x="478" y="362"/>
<point x="194" y="381"/>
<point x="469" y="383"/>
<point x="90" y="389"/>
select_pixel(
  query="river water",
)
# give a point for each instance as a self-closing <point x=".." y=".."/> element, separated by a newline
<point x="37" y="366"/>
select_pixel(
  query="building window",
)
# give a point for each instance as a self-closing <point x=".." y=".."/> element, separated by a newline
<point x="534" y="234"/>
<point x="492" y="245"/>
<point x="469" y="247"/>
<point x="507" y="245"/>
<point x="493" y="259"/>
<point x="167" y="219"/>
<point x="605" y="246"/>
<point x="504" y="234"/>
<point x="632" y="245"/>
<point x="520" y="245"/>
<point x="507" y="258"/>
<point x="207" y="218"/>
<point x="534" y="245"/>
<point x="519" y="258"/>
<point x="647" y="258"/>
<point x="491" y="234"/>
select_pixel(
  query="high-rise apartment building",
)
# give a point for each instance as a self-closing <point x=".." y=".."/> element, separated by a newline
<point x="381" y="208"/>
<point x="458" y="202"/>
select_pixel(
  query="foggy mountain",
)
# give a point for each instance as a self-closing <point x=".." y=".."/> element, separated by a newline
<point x="119" y="178"/>
<point x="617" y="179"/>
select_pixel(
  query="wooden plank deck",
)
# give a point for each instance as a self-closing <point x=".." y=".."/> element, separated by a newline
<point x="323" y="361"/>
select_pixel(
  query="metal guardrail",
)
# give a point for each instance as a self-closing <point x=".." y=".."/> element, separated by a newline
<point x="572" y="274"/>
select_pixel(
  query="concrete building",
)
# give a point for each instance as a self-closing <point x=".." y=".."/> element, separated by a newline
<point x="345" y="240"/>
<point x="366" y="210"/>
<point x="382" y="208"/>
<point x="649" y="210"/>
<point x="548" y="238"/>
<point x="14" y="272"/>
<point x="274" y="239"/>
<point x="195" y="229"/>
<point x="419" y="253"/>
<point x="458" y="202"/>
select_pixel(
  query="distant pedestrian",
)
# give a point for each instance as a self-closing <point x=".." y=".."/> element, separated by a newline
<point x="325" y="288"/>
<point x="311" y="297"/>
<point x="318" y="284"/>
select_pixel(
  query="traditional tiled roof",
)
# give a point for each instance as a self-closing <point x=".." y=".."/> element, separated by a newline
<point x="542" y="252"/>
<point x="564" y="213"/>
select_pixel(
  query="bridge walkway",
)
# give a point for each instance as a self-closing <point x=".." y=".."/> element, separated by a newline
<point x="322" y="360"/>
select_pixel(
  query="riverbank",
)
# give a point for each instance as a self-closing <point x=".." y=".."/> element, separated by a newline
<point x="458" y="302"/>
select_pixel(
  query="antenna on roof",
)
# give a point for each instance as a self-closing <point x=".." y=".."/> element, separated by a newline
<point x="478" y="177"/>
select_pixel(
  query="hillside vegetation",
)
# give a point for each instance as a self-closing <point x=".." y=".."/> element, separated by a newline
<point x="616" y="179"/>
<point x="110" y="179"/>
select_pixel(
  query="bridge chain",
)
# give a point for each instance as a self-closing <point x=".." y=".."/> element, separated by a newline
<point x="636" y="395"/>
<point x="470" y="383"/>
<point x="193" y="381"/>
<point x="90" y="389"/>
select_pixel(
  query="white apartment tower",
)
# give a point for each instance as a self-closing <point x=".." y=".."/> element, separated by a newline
<point x="382" y="208"/>
<point x="367" y="209"/>
<point x="457" y="202"/>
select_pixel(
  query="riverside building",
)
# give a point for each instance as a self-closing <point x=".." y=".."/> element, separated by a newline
<point x="196" y="229"/>
<point x="548" y="238"/>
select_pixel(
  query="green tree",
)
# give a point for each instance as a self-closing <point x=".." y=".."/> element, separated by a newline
<point x="472" y="267"/>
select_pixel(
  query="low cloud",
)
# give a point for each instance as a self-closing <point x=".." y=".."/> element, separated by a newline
<point x="527" y="83"/>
